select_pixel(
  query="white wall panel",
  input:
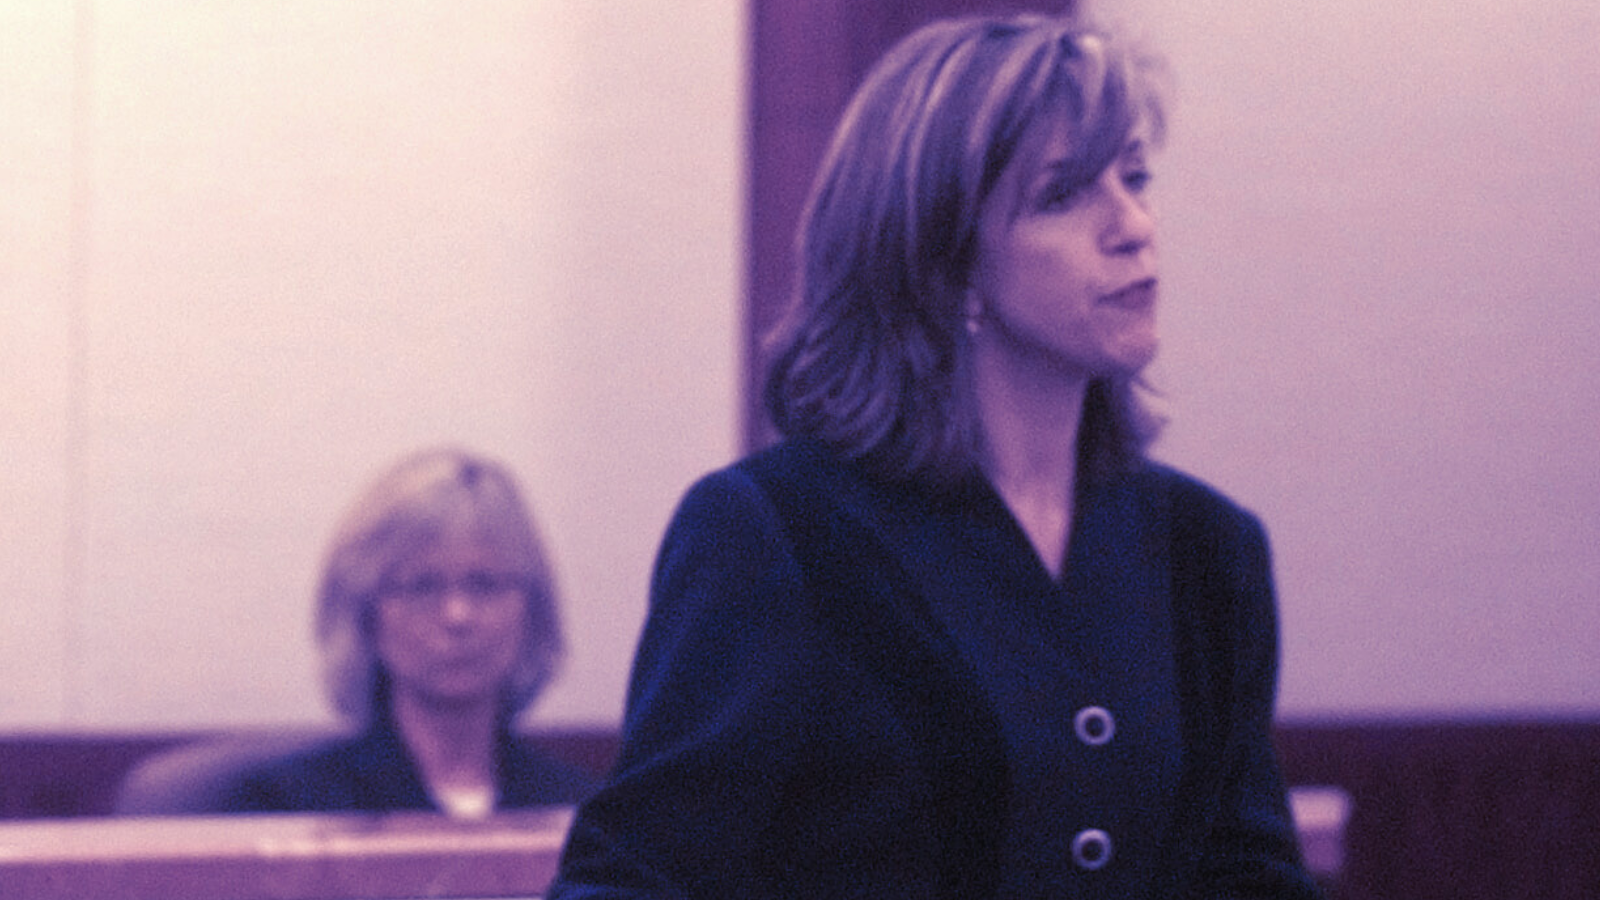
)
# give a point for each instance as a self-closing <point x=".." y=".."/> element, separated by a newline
<point x="325" y="234"/>
<point x="38" y="296"/>
<point x="1382" y="327"/>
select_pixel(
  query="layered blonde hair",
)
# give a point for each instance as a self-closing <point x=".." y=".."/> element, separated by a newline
<point x="421" y="500"/>
<point x="871" y="355"/>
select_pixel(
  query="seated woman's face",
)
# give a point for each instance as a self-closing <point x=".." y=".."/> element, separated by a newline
<point x="450" y="624"/>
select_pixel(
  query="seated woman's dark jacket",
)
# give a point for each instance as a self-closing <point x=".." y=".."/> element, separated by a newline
<point x="373" y="772"/>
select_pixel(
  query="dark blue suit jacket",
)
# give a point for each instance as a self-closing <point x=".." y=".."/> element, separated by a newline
<point x="803" y="723"/>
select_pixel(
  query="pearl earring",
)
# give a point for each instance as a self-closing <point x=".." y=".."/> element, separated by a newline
<point x="974" y="312"/>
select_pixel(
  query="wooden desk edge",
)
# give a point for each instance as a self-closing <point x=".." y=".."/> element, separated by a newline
<point x="283" y="857"/>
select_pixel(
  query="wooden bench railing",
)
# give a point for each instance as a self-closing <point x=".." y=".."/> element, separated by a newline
<point x="1439" y="810"/>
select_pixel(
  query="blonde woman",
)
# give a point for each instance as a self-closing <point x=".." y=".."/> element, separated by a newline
<point x="956" y="636"/>
<point x="437" y="624"/>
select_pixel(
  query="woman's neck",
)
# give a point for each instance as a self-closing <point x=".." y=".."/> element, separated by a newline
<point x="1031" y="458"/>
<point x="453" y="747"/>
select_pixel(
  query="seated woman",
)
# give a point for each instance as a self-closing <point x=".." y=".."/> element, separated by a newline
<point x="437" y="625"/>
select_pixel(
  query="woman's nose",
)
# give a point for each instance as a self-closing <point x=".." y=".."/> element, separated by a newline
<point x="457" y="605"/>
<point x="1132" y="226"/>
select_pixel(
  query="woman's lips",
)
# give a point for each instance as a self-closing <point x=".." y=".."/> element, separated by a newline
<point x="1139" y="295"/>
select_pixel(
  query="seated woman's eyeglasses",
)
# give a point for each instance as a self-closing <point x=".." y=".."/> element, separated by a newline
<point x="429" y="589"/>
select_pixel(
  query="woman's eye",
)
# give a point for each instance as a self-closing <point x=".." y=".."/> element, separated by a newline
<point x="1059" y="195"/>
<point x="1137" y="180"/>
<point x="425" y="586"/>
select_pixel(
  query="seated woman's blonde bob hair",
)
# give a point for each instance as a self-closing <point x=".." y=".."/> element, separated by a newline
<point x="422" y="499"/>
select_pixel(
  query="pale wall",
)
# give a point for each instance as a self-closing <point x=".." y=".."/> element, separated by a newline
<point x="1383" y="333"/>
<point x="292" y="241"/>
<point x="276" y="245"/>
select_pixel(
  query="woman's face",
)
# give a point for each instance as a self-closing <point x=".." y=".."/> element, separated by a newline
<point x="1065" y="273"/>
<point x="450" y="624"/>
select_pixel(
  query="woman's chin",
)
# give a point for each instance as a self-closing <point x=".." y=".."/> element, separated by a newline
<point x="458" y="691"/>
<point x="1133" y="356"/>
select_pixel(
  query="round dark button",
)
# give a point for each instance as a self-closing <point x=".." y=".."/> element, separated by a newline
<point x="1094" y="725"/>
<point x="1091" y="849"/>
